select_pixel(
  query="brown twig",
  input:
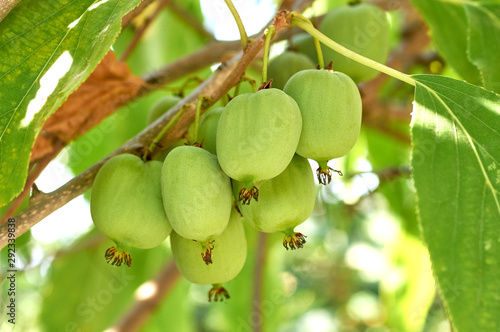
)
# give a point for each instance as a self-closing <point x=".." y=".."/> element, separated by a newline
<point x="140" y="32"/>
<point x="227" y="76"/>
<point x="258" y="280"/>
<point x="190" y="20"/>
<point x="143" y="308"/>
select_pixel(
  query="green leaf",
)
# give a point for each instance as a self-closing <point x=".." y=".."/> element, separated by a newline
<point x="456" y="171"/>
<point x="48" y="48"/>
<point x="449" y="26"/>
<point x="484" y="40"/>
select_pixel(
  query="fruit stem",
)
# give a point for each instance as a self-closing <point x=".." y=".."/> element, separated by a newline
<point x="293" y="240"/>
<point x="317" y="45"/>
<point x="297" y="21"/>
<point x="117" y="255"/>
<point x="162" y="133"/>
<point x="217" y="293"/>
<point x="239" y="23"/>
<point x="269" y="33"/>
<point x="237" y="89"/>
<point x="199" y="106"/>
<point x="250" y="80"/>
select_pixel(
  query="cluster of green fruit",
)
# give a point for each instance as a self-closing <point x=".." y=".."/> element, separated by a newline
<point x="252" y="165"/>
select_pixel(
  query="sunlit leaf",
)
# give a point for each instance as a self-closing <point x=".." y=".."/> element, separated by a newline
<point x="48" y="48"/>
<point x="456" y="170"/>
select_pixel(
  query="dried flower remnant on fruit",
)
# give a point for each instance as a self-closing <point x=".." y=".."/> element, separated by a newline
<point x="324" y="174"/>
<point x="117" y="257"/>
<point x="217" y="293"/>
<point x="206" y="253"/>
<point x="294" y="241"/>
<point x="285" y="202"/>
<point x="245" y="195"/>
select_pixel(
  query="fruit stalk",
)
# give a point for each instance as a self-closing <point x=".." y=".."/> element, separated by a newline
<point x="239" y="23"/>
<point x="317" y="45"/>
<point x="269" y="35"/>
<point x="347" y="52"/>
<point x="199" y="105"/>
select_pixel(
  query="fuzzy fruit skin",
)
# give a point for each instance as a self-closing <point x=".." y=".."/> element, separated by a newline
<point x="257" y="135"/>
<point x="282" y="67"/>
<point x="197" y="195"/>
<point x="230" y="255"/>
<point x="362" y="28"/>
<point x="208" y="129"/>
<point x="126" y="202"/>
<point x="330" y="105"/>
<point x="160" y="107"/>
<point x="285" y="201"/>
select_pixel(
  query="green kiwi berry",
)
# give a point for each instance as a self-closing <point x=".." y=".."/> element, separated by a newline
<point x="285" y="202"/>
<point x="207" y="133"/>
<point x="330" y="105"/>
<point x="197" y="196"/>
<point x="257" y="137"/>
<point x="231" y="252"/>
<point x="126" y="205"/>
<point x="282" y="67"/>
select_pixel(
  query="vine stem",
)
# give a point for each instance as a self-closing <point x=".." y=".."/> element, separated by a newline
<point x="269" y="35"/>
<point x="306" y="26"/>
<point x="239" y="23"/>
